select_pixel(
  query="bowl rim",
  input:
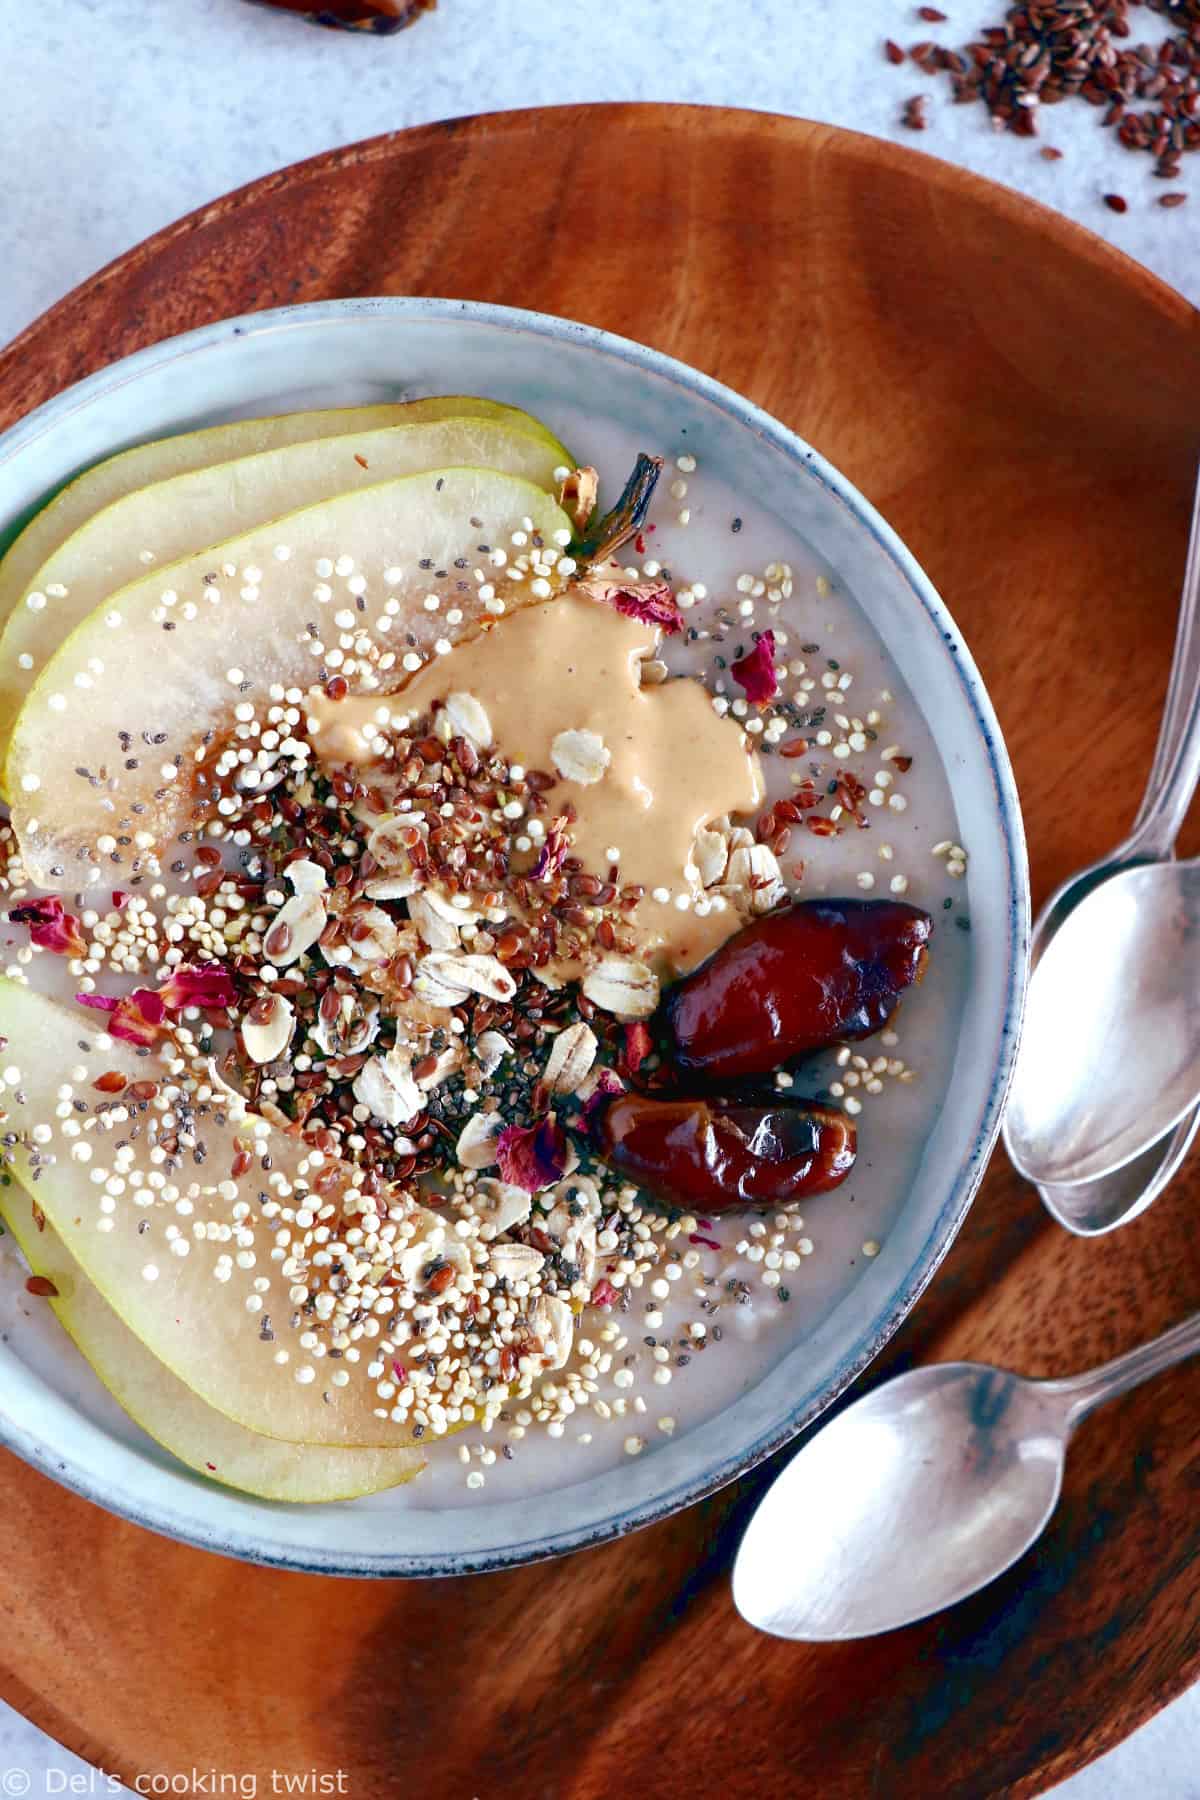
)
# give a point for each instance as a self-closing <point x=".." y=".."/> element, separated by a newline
<point x="251" y="1544"/>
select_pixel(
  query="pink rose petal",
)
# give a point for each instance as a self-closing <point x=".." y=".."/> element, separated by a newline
<point x="608" y="1083"/>
<point x="137" y="1018"/>
<point x="653" y="602"/>
<point x="532" y="1157"/>
<point x="208" y="986"/>
<point x="755" y="672"/>
<point x="51" y="926"/>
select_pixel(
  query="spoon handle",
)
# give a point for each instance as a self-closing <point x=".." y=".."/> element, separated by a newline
<point x="1176" y="767"/>
<point x="1177" y="706"/>
<point x="1083" y="1393"/>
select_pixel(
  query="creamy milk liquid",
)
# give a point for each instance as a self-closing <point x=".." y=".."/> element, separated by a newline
<point x="892" y="1125"/>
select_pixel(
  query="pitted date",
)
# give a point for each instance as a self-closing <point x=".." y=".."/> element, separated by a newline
<point x="714" y="1156"/>
<point x="793" y="983"/>
<point x="379" y="16"/>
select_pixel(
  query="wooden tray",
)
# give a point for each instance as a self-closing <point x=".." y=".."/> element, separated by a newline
<point x="1024" y="406"/>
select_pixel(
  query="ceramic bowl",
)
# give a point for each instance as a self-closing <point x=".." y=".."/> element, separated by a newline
<point x="348" y="352"/>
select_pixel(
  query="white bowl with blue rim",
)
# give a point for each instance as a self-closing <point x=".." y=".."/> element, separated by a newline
<point x="53" y="1412"/>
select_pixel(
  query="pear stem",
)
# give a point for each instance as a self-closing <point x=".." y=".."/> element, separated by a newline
<point x="627" y="517"/>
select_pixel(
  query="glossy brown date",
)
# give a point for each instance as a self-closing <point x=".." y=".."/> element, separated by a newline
<point x="379" y="16"/>
<point x="793" y="983"/>
<point x="713" y="1156"/>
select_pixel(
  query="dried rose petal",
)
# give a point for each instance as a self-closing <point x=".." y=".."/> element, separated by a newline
<point x="50" y="926"/>
<point x="608" y="1083"/>
<point x="653" y="602"/>
<point x="208" y="986"/>
<point x="533" y="1157"/>
<point x="755" y="672"/>
<point x="604" y="1293"/>
<point x="550" y="857"/>
<point x="139" y="1017"/>
<point x="98" y="1002"/>
<point x="136" y="1017"/>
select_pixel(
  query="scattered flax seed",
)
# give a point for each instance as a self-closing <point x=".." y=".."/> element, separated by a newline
<point x="1170" y="200"/>
<point x="916" y="113"/>
<point x="1052" y="50"/>
<point x="892" y="51"/>
<point x="1116" y="203"/>
<point x="932" y="15"/>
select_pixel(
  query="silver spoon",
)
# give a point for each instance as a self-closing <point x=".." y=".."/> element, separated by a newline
<point x="1087" y="1120"/>
<point x="1093" y="1207"/>
<point x="1128" y="1066"/>
<point x="921" y="1493"/>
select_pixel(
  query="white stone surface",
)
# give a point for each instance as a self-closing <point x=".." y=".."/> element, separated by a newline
<point x="119" y="115"/>
<point x="125" y="113"/>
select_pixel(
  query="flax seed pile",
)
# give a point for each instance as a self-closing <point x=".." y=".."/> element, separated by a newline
<point x="360" y="964"/>
<point x="1047" y="51"/>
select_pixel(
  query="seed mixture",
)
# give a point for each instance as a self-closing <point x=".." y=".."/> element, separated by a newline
<point x="1047" y="51"/>
<point x="396" y="968"/>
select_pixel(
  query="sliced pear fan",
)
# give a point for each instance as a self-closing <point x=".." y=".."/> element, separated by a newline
<point x="200" y="1313"/>
<point x="173" y="1415"/>
<point x="385" y="576"/>
<point x="173" y="518"/>
<point x="138" y="467"/>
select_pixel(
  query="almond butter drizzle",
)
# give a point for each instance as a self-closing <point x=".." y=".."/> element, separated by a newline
<point x="573" y="664"/>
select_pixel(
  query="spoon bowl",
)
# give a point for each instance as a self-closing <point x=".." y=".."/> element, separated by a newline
<point x="1111" y="1058"/>
<point x="912" y="1499"/>
<point x="1092" y="1208"/>
<point x="921" y="1493"/>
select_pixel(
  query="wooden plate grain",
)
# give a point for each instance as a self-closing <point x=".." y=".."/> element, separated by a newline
<point x="1023" y="404"/>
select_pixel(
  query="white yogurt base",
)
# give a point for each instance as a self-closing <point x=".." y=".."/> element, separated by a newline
<point x="892" y="1124"/>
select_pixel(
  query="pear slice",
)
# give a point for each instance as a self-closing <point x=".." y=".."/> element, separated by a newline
<point x="173" y="518"/>
<point x="170" y="1413"/>
<point x="164" y="458"/>
<point x="232" y="1330"/>
<point x="106" y="760"/>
